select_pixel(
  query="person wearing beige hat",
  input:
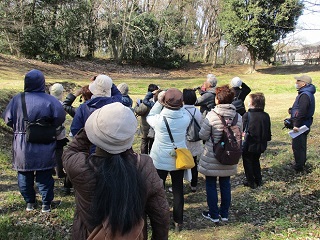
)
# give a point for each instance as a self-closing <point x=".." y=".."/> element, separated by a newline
<point x="126" y="99"/>
<point x="116" y="188"/>
<point x="302" y="112"/>
<point x="103" y="92"/>
<point x="208" y="94"/>
<point x="169" y="106"/>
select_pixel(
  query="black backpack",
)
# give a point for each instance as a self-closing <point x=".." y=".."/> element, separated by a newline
<point x="193" y="129"/>
<point x="239" y="104"/>
<point x="228" y="150"/>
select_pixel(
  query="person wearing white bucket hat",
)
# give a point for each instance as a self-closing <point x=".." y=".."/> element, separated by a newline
<point x="116" y="188"/>
<point x="241" y="91"/>
<point x="104" y="92"/>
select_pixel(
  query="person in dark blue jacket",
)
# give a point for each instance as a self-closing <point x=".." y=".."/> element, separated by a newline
<point x="104" y="92"/>
<point x="34" y="161"/>
<point x="126" y="99"/>
<point x="302" y="114"/>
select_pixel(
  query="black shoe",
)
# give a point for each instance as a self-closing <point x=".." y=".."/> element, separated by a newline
<point x="249" y="184"/>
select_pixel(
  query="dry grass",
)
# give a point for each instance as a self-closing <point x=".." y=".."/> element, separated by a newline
<point x="286" y="207"/>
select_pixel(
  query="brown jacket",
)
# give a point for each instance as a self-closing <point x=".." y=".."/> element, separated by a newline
<point x="81" y="174"/>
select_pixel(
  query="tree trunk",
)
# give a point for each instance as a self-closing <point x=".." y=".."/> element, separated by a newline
<point x="224" y="62"/>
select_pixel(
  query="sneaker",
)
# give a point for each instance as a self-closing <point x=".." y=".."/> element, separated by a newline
<point x="177" y="227"/>
<point x="30" y="206"/>
<point x="207" y="215"/>
<point x="170" y="189"/>
<point x="193" y="189"/>
<point x="224" y="219"/>
<point x="46" y="208"/>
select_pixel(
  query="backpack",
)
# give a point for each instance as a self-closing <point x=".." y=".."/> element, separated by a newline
<point x="228" y="150"/>
<point x="193" y="129"/>
<point x="239" y="104"/>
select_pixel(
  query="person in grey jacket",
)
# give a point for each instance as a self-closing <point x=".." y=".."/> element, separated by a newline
<point x="209" y="165"/>
<point x="34" y="161"/>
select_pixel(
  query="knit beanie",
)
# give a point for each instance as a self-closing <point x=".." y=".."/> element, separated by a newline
<point x="123" y="88"/>
<point x="212" y="80"/>
<point x="112" y="128"/>
<point x="101" y="87"/>
<point x="236" y="82"/>
<point x="56" y="90"/>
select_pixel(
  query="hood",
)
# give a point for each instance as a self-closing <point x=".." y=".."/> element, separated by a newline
<point x="308" y="88"/>
<point x="34" y="81"/>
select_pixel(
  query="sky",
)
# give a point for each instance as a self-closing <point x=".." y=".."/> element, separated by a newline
<point x="309" y="20"/>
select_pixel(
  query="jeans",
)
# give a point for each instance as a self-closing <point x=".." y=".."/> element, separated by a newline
<point x="177" y="191"/>
<point x="299" y="148"/>
<point x="252" y="167"/>
<point x="44" y="182"/>
<point x="146" y="144"/>
<point x="212" y="196"/>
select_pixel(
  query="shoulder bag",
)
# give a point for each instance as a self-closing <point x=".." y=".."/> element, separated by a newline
<point x="184" y="158"/>
<point x="40" y="131"/>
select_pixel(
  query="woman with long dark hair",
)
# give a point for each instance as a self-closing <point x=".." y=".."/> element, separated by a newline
<point x="115" y="187"/>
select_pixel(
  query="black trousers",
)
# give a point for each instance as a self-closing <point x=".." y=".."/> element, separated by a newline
<point x="146" y="144"/>
<point x="299" y="148"/>
<point x="177" y="191"/>
<point x="252" y="167"/>
<point x="194" y="173"/>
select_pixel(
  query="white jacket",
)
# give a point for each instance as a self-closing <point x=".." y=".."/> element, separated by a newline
<point x="178" y="121"/>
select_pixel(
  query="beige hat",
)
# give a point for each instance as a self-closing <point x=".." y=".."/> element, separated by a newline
<point x="304" y="78"/>
<point x="123" y="88"/>
<point x="236" y="82"/>
<point x="101" y="87"/>
<point x="172" y="99"/>
<point x="112" y="128"/>
<point x="56" y="90"/>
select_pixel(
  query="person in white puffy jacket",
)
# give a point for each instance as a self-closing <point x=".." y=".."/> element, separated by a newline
<point x="169" y="105"/>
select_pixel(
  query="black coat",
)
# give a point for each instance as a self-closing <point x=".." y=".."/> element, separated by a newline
<point x="259" y="129"/>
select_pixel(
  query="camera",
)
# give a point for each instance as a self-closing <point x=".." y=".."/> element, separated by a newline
<point x="287" y="123"/>
<point x="196" y="88"/>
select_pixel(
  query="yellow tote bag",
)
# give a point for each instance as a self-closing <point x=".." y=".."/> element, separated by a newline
<point x="184" y="159"/>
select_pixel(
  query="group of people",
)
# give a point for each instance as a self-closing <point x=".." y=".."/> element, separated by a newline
<point x="116" y="189"/>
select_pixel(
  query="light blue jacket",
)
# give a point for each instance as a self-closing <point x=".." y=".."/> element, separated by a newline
<point x="178" y="121"/>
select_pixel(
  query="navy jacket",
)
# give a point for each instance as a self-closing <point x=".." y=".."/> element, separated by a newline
<point x="86" y="108"/>
<point x="32" y="156"/>
<point x="304" y="106"/>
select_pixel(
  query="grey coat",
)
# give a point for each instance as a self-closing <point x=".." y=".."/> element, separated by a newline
<point x="208" y="164"/>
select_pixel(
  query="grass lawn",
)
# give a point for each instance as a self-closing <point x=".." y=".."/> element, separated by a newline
<point x="287" y="206"/>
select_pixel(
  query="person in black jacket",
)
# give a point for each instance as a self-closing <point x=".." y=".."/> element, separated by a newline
<point x="241" y="91"/>
<point x="257" y="124"/>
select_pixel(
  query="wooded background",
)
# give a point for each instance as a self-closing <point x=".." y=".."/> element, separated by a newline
<point x="161" y="33"/>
